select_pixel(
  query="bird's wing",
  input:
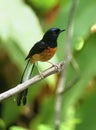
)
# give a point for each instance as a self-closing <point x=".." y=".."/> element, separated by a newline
<point x="37" y="48"/>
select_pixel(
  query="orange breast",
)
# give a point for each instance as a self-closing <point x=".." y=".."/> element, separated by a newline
<point x="46" y="55"/>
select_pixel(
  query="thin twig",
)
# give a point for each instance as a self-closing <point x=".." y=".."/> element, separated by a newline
<point x="31" y="81"/>
<point x="68" y="57"/>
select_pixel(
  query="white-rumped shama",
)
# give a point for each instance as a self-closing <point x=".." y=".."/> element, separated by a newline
<point x="41" y="51"/>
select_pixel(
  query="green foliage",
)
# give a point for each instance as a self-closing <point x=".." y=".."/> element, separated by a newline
<point x="87" y="113"/>
<point x="17" y="128"/>
<point x="43" y="6"/>
<point x="19" y="27"/>
<point x="2" y="124"/>
<point x="19" y="30"/>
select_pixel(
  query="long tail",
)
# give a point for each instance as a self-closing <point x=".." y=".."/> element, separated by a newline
<point x="22" y="96"/>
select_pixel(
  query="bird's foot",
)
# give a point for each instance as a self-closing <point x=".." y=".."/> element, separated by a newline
<point x="54" y="65"/>
<point x="41" y="74"/>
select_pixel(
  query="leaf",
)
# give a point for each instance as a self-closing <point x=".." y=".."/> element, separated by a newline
<point x="19" y="27"/>
<point x="87" y="62"/>
<point x="87" y="113"/>
<point x="17" y="128"/>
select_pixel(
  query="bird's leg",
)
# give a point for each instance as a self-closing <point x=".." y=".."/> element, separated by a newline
<point x="53" y="65"/>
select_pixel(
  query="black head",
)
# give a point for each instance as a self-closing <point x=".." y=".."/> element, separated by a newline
<point x="52" y="34"/>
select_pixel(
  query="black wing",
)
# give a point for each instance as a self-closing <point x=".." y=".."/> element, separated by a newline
<point x="37" y="48"/>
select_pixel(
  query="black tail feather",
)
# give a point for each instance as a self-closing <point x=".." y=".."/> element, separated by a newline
<point x="22" y="96"/>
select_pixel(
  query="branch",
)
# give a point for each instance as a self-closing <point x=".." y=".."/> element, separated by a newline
<point x="24" y="85"/>
<point x="68" y="57"/>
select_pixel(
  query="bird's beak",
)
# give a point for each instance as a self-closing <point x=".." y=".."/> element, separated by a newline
<point x="62" y="30"/>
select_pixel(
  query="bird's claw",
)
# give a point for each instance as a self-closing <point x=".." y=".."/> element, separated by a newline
<point x="41" y="74"/>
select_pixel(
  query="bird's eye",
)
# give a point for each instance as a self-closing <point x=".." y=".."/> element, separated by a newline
<point x="57" y="30"/>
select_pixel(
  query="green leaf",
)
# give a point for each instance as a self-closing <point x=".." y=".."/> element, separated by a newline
<point x="87" y="63"/>
<point x="44" y="6"/>
<point x="87" y="113"/>
<point x="2" y="124"/>
<point x="17" y="128"/>
<point x="19" y="27"/>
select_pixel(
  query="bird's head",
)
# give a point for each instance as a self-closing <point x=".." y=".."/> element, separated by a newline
<point x="52" y="34"/>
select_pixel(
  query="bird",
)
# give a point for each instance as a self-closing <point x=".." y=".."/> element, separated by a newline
<point x="42" y="51"/>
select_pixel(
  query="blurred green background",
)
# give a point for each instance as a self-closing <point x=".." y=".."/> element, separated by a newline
<point x="22" y="23"/>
